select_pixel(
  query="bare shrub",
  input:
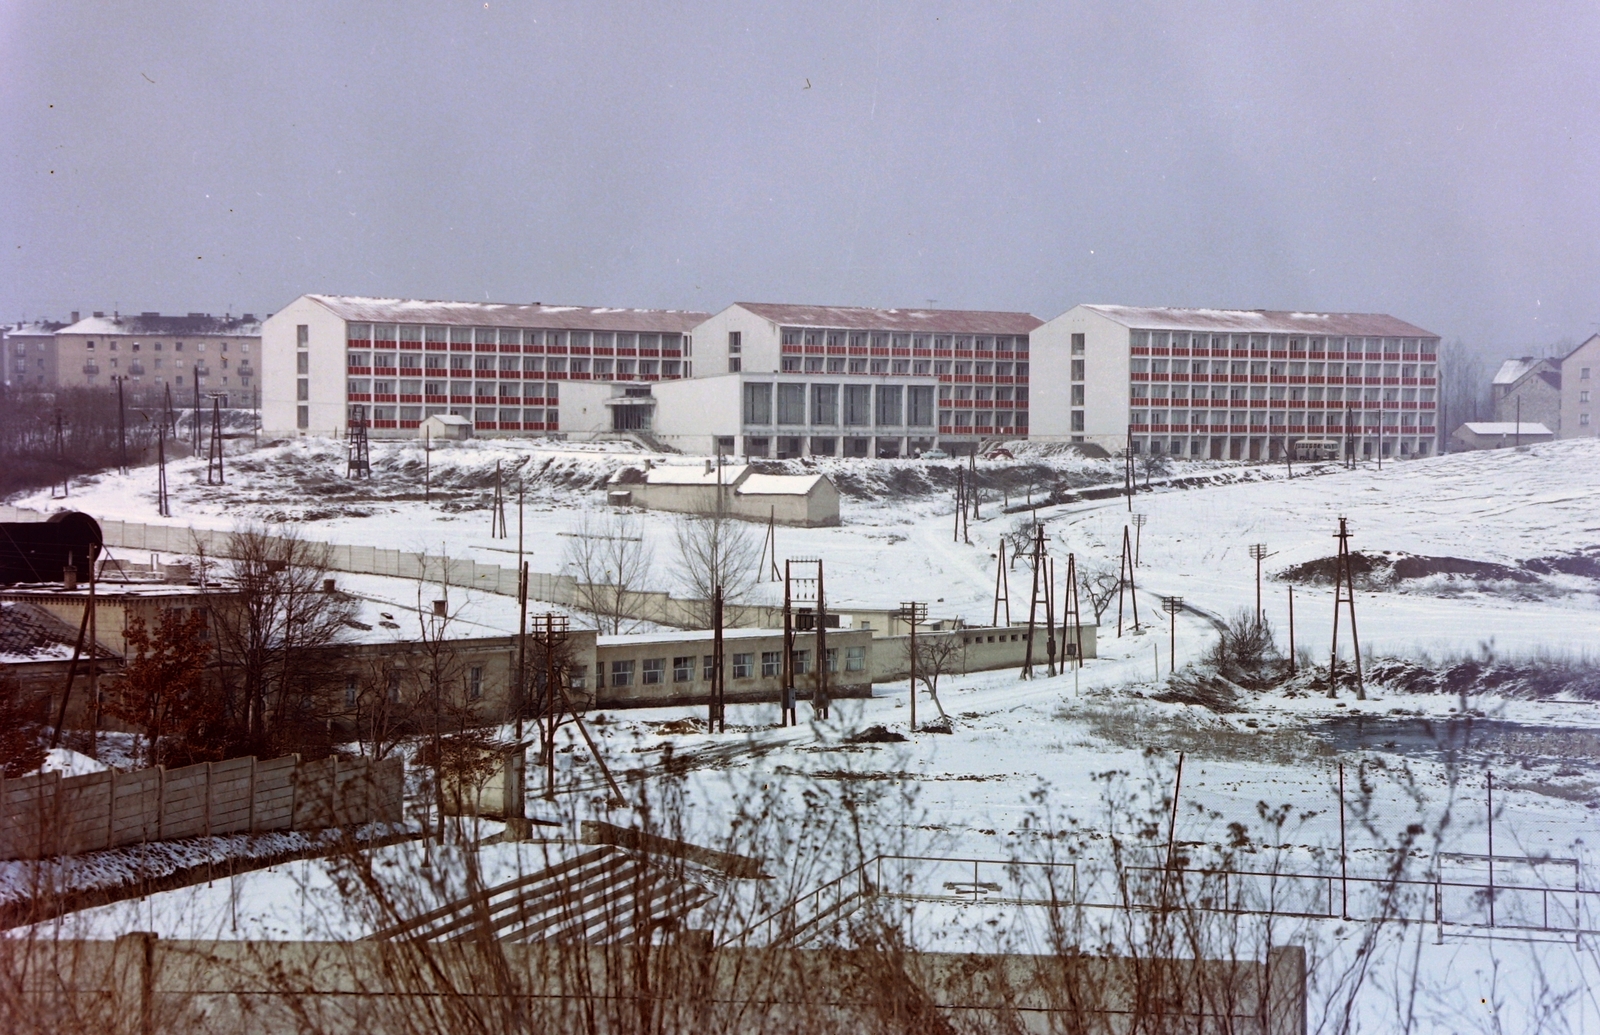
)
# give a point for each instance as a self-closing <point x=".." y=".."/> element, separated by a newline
<point x="714" y="551"/>
<point x="1246" y="653"/>
<point x="610" y="562"/>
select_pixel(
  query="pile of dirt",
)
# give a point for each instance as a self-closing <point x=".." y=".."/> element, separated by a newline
<point x="680" y="726"/>
<point x="1586" y="564"/>
<point x="876" y="735"/>
<point x="1390" y="569"/>
<point x="940" y="725"/>
<point x="1206" y="689"/>
<point x="1534" y="679"/>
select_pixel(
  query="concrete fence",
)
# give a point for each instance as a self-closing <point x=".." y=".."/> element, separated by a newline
<point x="564" y="590"/>
<point x="49" y="814"/>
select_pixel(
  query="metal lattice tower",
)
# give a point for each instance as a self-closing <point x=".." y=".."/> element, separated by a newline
<point x="1039" y="595"/>
<point x="1002" y="587"/>
<point x="1125" y="582"/>
<point x="1072" y="614"/>
<point x="357" y="464"/>
<point x="802" y="584"/>
<point x="1344" y="592"/>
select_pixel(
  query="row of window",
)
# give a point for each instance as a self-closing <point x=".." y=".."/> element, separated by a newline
<point x="652" y="671"/>
<point x="1264" y="368"/>
<point x="1275" y="393"/>
<point x="1264" y="417"/>
<point x="901" y="367"/>
<point x="478" y="415"/>
<point x="361" y="333"/>
<point x="1274" y="342"/>
<point x="156" y="346"/>
<point x="484" y="389"/>
<point x="890" y="339"/>
<point x="885" y="406"/>
<point x="516" y="366"/>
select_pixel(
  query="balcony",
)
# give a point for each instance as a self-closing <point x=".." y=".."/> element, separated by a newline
<point x="91" y="369"/>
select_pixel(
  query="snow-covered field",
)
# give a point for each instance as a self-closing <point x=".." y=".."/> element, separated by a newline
<point x="1423" y="760"/>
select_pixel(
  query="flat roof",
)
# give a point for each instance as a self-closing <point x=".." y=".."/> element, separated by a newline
<point x="1260" y="321"/>
<point x="509" y="314"/>
<point x="1506" y="427"/>
<point x="932" y="321"/>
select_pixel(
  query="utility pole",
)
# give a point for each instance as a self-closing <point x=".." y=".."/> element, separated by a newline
<point x="1258" y="551"/>
<point x="1291" y="631"/>
<point x="786" y="690"/>
<point x="819" y="698"/>
<point x="61" y="458"/>
<point x="122" y="428"/>
<point x="1033" y="600"/>
<point x="194" y="415"/>
<point x="1125" y="581"/>
<point x="1002" y="587"/>
<point x="427" y="465"/>
<point x="1344" y="592"/>
<point x="718" y="711"/>
<point x="214" y="453"/>
<point x="357" y="464"/>
<point x="1072" y="612"/>
<point x="1138" y="535"/>
<point x="1172" y="605"/>
<point x="163" y="505"/>
<point x="497" y="508"/>
<point x="1128" y="482"/>
<point x="522" y="643"/>
<point x="912" y="613"/>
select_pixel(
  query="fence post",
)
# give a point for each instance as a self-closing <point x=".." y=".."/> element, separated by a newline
<point x="251" y="824"/>
<point x="111" y="809"/>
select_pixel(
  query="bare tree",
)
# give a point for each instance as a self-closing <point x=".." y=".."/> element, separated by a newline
<point x="1463" y="387"/>
<point x="715" y="550"/>
<point x="382" y="719"/>
<point x="1099" y="584"/>
<point x="1020" y="537"/>
<point x="270" y="634"/>
<point x="610" y="560"/>
<point x="938" y="654"/>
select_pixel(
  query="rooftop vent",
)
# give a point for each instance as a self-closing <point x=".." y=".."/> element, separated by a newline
<point x="149" y="314"/>
<point x="74" y="316"/>
<point x="98" y="315"/>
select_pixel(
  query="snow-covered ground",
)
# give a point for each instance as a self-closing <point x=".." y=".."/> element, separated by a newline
<point x="971" y="791"/>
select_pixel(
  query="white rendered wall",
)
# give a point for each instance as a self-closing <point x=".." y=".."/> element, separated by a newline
<point x="759" y="343"/>
<point x="1105" y="356"/>
<point x="327" y="369"/>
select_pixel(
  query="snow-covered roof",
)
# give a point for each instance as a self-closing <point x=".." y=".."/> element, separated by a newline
<point x="29" y="633"/>
<point x="1506" y="427"/>
<point x="150" y="324"/>
<point x="1260" y="321"/>
<point x="684" y="474"/>
<point x="448" y="418"/>
<point x="509" y="314"/>
<point x="855" y="318"/>
<point x="778" y="484"/>
<point x="1511" y="370"/>
<point x="681" y="636"/>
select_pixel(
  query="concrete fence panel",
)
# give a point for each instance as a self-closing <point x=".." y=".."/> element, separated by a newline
<point x="47" y="814"/>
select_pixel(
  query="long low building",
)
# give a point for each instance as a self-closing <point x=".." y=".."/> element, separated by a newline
<point x="738" y="490"/>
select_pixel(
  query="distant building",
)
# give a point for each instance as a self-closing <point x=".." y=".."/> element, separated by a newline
<point x="1499" y="434"/>
<point x="1235" y="384"/>
<point x="506" y="367"/>
<point x="1528" y="389"/>
<point x="216" y="354"/>
<point x="1556" y="391"/>
<point x="29" y="351"/>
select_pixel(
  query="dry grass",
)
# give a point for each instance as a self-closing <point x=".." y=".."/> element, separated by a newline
<point x="1131" y="727"/>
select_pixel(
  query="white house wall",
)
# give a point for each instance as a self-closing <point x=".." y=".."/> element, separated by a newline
<point x="326" y="377"/>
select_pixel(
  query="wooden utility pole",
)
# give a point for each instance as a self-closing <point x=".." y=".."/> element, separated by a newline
<point x="427" y="465"/>
<point x="913" y="613"/>
<point x="214" y="451"/>
<point x="1138" y="535"/>
<point x="497" y="507"/>
<point x="522" y="644"/>
<point x="122" y="429"/>
<point x="1072" y="612"/>
<point x="718" y="712"/>
<point x="163" y="504"/>
<point x="1002" y="587"/>
<point x="1291" y="631"/>
<point x="1172" y="605"/>
<point x="786" y="689"/>
<point x="1033" y="600"/>
<point x="1344" y="592"/>
<point x="1125" y="581"/>
<point x="820" y="704"/>
<point x="1258" y="552"/>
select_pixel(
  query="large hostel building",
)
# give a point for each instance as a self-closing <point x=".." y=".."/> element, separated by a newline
<point x="509" y="368"/>
<point x="1237" y="384"/>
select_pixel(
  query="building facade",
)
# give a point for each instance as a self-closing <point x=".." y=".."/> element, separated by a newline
<point x="1528" y="390"/>
<point x="1236" y="384"/>
<point x="216" y="355"/>
<point x="846" y="381"/>
<point x="29" y="351"/>
<point x="510" y="369"/>
<point x="1578" y="384"/>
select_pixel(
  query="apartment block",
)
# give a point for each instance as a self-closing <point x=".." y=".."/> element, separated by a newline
<point x="197" y="351"/>
<point x="509" y="368"/>
<point x="1236" y="384"/>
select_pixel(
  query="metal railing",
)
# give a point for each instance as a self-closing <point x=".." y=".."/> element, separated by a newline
<point x="1328" y="896"/>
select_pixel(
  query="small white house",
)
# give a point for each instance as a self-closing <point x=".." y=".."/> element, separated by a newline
<point x="1500" y="434"/>
<point x="445" y="427"/>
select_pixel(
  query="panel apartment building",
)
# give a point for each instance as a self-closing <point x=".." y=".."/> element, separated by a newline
<point x="1237" y="384"/>
<point x="148" y="351"/>
<point x="793" y="380"/>
<point x="509" y="368"/>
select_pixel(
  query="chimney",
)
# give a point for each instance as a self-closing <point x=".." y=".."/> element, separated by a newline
<point x="69" y="577"/>
<point x="708" y="466"/>
<point x="439" y="608"/>
<point x="98" y="315"/>
<point x="327" y="585"/>
<point x="74" y="316"/>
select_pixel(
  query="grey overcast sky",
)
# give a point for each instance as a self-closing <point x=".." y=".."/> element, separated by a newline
<point x="1436" y="161"/>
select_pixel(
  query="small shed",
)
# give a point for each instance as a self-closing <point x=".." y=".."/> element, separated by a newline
<point x="1500" y="434"/>
<point x="446" y="427"/>
<point x="807" y="500"/>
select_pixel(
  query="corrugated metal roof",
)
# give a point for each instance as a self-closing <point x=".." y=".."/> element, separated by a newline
<point x="510" y="314"/>
<point x="1261" y="321"/>
<point x="933" y="321"/>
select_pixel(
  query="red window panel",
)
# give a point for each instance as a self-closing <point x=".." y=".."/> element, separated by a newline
<point x="385" y="398"/>
<point x="410" y="424"/>
<point x="385" y="424"/>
